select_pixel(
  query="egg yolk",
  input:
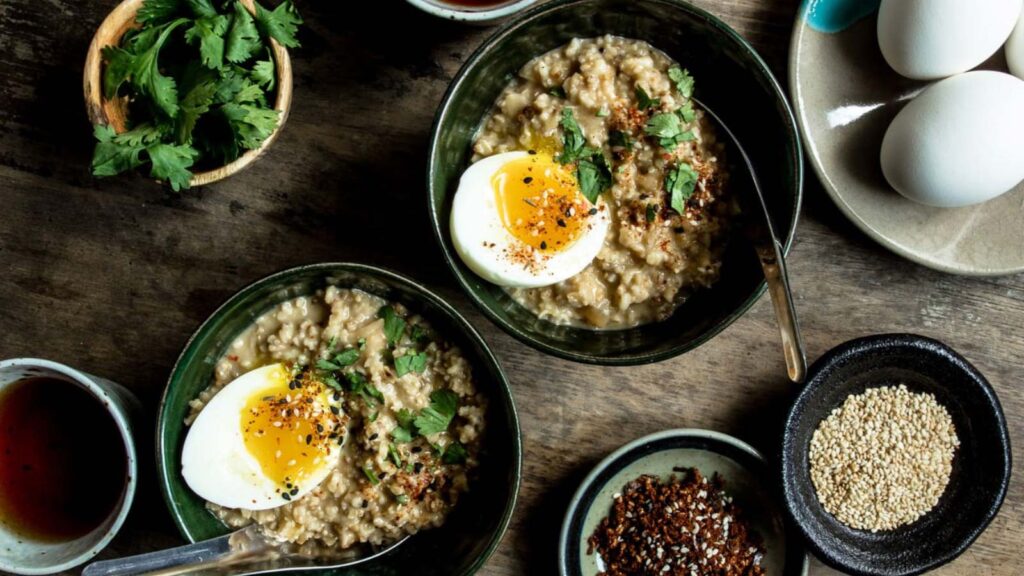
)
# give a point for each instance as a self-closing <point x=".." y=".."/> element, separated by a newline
<point x="540" y="203"/>
<point x="290" y="428"/>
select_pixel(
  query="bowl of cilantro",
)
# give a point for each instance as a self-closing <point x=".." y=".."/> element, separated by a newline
<point x="193" y="90"/>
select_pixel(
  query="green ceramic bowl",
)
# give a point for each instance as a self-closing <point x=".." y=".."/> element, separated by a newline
<point x="731" y="79"/>
<point x="477" y="524"/>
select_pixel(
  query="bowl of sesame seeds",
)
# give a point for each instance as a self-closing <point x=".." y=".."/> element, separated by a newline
<point x="680" y="503"/>
<point x="895" y="456"/>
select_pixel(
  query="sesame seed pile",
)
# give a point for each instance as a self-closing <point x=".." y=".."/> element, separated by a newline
<point x="883" y="458"/>
<point x="686" y="526"/>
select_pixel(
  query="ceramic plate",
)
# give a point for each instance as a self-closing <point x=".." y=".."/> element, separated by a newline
<point x="845" y="96"/>
<point x="747" y="480"/>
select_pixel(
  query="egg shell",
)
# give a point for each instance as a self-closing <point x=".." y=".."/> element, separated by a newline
<point x="960" y="142"/>
<point x="1015" y="49"/>
<point x="931" y="39"/>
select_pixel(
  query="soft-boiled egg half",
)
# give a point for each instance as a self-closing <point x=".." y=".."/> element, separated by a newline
<point x="266" y="438"/>
<point x="520" y="220"/>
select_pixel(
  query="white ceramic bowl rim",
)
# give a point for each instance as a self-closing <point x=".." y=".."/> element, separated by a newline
<point x="123" y="427"/>
<point x="467" y="14"/>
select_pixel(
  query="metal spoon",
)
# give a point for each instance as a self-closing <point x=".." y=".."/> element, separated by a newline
<point x="246" y="551"/>
<point x="770" y="253"/>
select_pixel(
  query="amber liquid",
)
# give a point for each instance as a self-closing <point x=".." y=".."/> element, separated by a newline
<point x="63" y="464"/>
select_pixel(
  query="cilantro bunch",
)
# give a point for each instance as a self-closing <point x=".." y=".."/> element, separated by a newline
<point x="200" y="82"/>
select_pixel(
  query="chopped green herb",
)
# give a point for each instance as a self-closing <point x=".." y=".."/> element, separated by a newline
<point x="327" y="365"/>
<point x="361" y="343"/>
<point x="331" y="381"/>
<point x="680" y="183"/>
<point x="602" y="113"/>
<point x="402" y="499"/>
<point x="682" y="80"/>
<point x="281" y="23"/>
<point x="371" y="475"/>
<point x="652" y="212"/>
<point x="332" y="343"/>
<point x="686" y="113"/>
<point x="360" y="386"/>
<point x="455" y="453"/>
<point x="668" y="128"/>
<point x="436" y="417"/>
<point x="402" y="435"/>
<point x="410" y="363"/>
<point x="644" y="101"/>
<point x="594" y="176"/>
<point x="395" y="455"/>
<point x="373" y="416"/>
<point x="347" y="358"/>
<point x="394" y="325"/>
<point x="592" y="170"/>
<point x="619" y="139"/>
<point x="419" y="334"/>
<point x="574" y="144"/>
<point x="405" y="418"/>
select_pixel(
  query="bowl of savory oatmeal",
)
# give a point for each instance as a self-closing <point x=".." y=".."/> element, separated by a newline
<point x="629" y="248"/>
<point x="342" y="407"/>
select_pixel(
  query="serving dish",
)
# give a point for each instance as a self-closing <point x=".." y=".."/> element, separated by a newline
<point x="477" y="523"/>
<point x="113" y="112"/>
<point x="981" y="465"/>
<point x="485" y="14"/>
<point x="746" y="477"/>
<point x="732" y="79"/>
<point x="23" y="556"/>
<point x="845" y="96"/>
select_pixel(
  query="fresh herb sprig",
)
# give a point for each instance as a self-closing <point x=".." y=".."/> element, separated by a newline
<point x="433" y="419"/>
<point x="593" y="173"/>
<point x="198" y="76"/>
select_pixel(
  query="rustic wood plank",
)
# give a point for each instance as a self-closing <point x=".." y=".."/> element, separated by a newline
<point x="112" y="276"/>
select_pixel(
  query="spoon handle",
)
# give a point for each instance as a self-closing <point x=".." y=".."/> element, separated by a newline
<point x="774" y="266"/>
<point x="180" y="560"/>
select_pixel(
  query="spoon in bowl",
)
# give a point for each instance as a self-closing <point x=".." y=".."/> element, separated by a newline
<point x="246" y="551"/>
<point x="769" y="252"/>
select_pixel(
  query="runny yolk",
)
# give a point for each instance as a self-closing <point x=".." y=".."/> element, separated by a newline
<point x="287" y="428"/>
<point x="540" y="203"/>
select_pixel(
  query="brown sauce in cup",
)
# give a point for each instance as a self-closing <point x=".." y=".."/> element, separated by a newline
<point x="63" y="465"/>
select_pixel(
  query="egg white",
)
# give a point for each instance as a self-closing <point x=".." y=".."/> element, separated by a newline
<point x="483" y="242"/>
<point x="215" y="462"/>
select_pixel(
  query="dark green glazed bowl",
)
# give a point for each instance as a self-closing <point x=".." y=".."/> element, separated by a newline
<point x="731" y="79"/>
<point x="470" y="534"/>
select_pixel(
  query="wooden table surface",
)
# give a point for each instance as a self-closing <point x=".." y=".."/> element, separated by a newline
<point x="111" y="276"/>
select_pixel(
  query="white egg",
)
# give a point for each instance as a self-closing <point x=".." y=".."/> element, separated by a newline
<point x="930" y="39"/>
<point x="960" y="142"/>
<point x="256" y="444"/>
<point x="519" y="219"/>
<point x="1015" y="49"/>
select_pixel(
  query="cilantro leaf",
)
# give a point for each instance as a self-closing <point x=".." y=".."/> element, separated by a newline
<point x="619" y="139"/>
<point x="202" y="8"/>
<point x="682" y="80"/>
<point x="208" y="32"/>
<point x="405" y="418"/>
<point x="644" y="101"/>
<point x="263" y="73"/>
<point x="250" y="124"/>
<point x="118" y="67"/>
<point x="686" y="113"/>
<point x="143" y="70"/>
<point x="436" y="417"/>
<point x="668" y="128"/>
<point x="680" y="183"/>
<point x="652" y="212"/>
<point x="360" y="386"/>
<point x="410" y="363"/>
<point x="347" y="357"/>
<point x="394" y="325"/>
<point x="112" y="157"/>
<point x="454" y="453"/>
<point x="243" y="39"/>
<point x="250" y="92"/>
<point x="171" y="163"/>
<point x="573" y="142"/>
<point x="281" y="23"/>
<point x="395" y="455"/>
<point x="402" y="435"/>
<point x="594" y="176"/>
<point x="157" y="11"/>
<point x="195" y="103"/>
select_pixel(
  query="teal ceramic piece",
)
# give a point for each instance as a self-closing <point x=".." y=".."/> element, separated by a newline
<point x="747" y="479"/>
<point x="730" y="78"/>
<point x="836" y="15"/>
<point x="470" y="534"/>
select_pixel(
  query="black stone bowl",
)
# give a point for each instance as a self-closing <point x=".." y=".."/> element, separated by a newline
<point x="981" y="466"/>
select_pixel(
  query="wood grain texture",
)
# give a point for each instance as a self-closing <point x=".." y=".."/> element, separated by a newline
<point x="112" y="276"/>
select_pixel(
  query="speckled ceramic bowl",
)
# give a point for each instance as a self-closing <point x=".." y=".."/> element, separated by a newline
<point x="981" y="466"/>
<point x="747" y="480"/>
<point x="845" y="96"/>
<point x="470" y="534"/>
<point x="730" y="78"/>
<point x="488" y="14"/>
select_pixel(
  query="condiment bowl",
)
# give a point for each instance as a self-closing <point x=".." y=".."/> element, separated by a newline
<point x="471" y="533"/>
<point x="484" y="14"/>
<point x="730" y="78"/>
<point x="26" y="556"/>
<point x="747" y="480"/>
<point x="981" y="465"/>
<point x="114" y="111"/>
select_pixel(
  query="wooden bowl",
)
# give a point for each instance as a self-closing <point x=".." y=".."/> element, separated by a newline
<point x="114" y="111"/>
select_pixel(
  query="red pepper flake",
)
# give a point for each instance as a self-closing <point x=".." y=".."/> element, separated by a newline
<point x="686" y="526"/>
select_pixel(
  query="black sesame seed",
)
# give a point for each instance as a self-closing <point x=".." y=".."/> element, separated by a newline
<point x="417" y="467"/>
<point x="286" y="496"/>
<point x="416" y="449"/>
<point x="528" y="179"/>
<point x="294" y="491"/>
<point x="561" y="222"/>
<point x="319" y="427"/>
<point x="374" y="436"/>
<point x="309" y="438"/>
<point x="366" y="503"/>
<point x="543" y="245"/>
<point x="531" y="152"/>
<point x="334" y="410"/>
<point x="593" y="211"/>
<point x="680" y="230"/>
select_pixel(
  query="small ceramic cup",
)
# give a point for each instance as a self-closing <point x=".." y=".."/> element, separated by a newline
<point x="23" y="556"/>
<point x="469" y="14"/>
